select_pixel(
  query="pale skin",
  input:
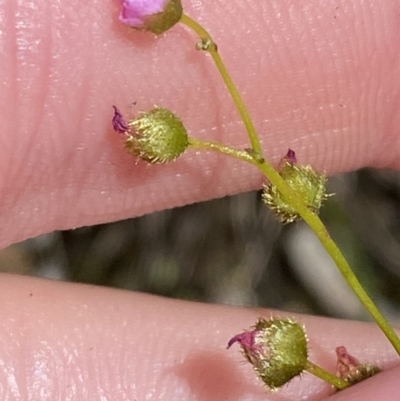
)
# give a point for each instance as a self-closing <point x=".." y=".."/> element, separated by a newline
<point x="319" y="77"/>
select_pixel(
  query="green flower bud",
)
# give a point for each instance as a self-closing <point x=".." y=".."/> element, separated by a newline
<point x="304" y="180"/>
<point x="277" y="349"/>
<point x="157" y="136"/>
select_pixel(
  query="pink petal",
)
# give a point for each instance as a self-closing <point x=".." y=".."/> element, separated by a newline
<point x="118" y="122"/>
<point x="134" y="12"/>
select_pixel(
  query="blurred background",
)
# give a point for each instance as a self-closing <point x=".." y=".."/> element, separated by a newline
<point x="233" y="251"/>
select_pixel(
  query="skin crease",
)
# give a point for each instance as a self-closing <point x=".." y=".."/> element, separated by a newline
<point x="321" y="78"/>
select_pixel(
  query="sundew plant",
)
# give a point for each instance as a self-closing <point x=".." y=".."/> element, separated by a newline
<point x="277" y="348"/>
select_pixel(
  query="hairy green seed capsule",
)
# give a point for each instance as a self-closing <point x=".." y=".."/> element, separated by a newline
<point x="308" y="183"/>
<point x="277" y="349"/>
<point x="157" y="136"/>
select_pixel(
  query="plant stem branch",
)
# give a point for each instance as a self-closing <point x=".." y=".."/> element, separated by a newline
<point x="218" y="147"/>
<point x="323" y="374"/>
<point x="237" y="98"/>
<point x="273" y="176"/>
<point x="319" y="229"/>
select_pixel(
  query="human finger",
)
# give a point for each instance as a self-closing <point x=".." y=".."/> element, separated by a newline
<point x="322" y="80"/>
<point x="69" y="341"/>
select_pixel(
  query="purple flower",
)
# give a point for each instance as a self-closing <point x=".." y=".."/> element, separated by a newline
<point x="156" y="16"/>
<point x="134" y="12"/>
<point x="118" y="122"/>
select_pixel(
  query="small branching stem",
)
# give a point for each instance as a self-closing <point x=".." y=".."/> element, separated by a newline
<point x="319" y="229"/>
<point x="237" y="98"/>
<point x="218" y="147"/>
<point x="316" y="225"/>
<point x="323" y="374"/>
<point x="291" y="197"/>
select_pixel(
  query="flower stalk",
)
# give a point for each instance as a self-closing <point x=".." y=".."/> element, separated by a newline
<point x="149" y="134"/>
<point x="323" y="374"/>
<point x="319" y="229"/>
<point x="220" y="148"/>
<point x="291" y="197"/>
<point x="207" y="43"/>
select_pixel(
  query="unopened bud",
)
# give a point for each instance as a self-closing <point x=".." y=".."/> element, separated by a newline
<point x="156" y="16"/>
<point x="304" y="180"/>
<point x="277" y="349"/>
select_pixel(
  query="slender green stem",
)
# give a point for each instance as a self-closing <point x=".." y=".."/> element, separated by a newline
<point x="327" y="376"/>
<point x="273" y="176"/>
<point x="218" y="147"/>
<point x="318" y="227"/>
<point x="237" y="98"/>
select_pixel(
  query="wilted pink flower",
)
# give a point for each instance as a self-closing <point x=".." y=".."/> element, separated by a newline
<point x="251" y="349"/>
<point x="291" y="156"/>
<point x="118" y="122"/>
<point x="346" y="363"/>
<point x="156" y="16"/>
<point x="350" y="369"/>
